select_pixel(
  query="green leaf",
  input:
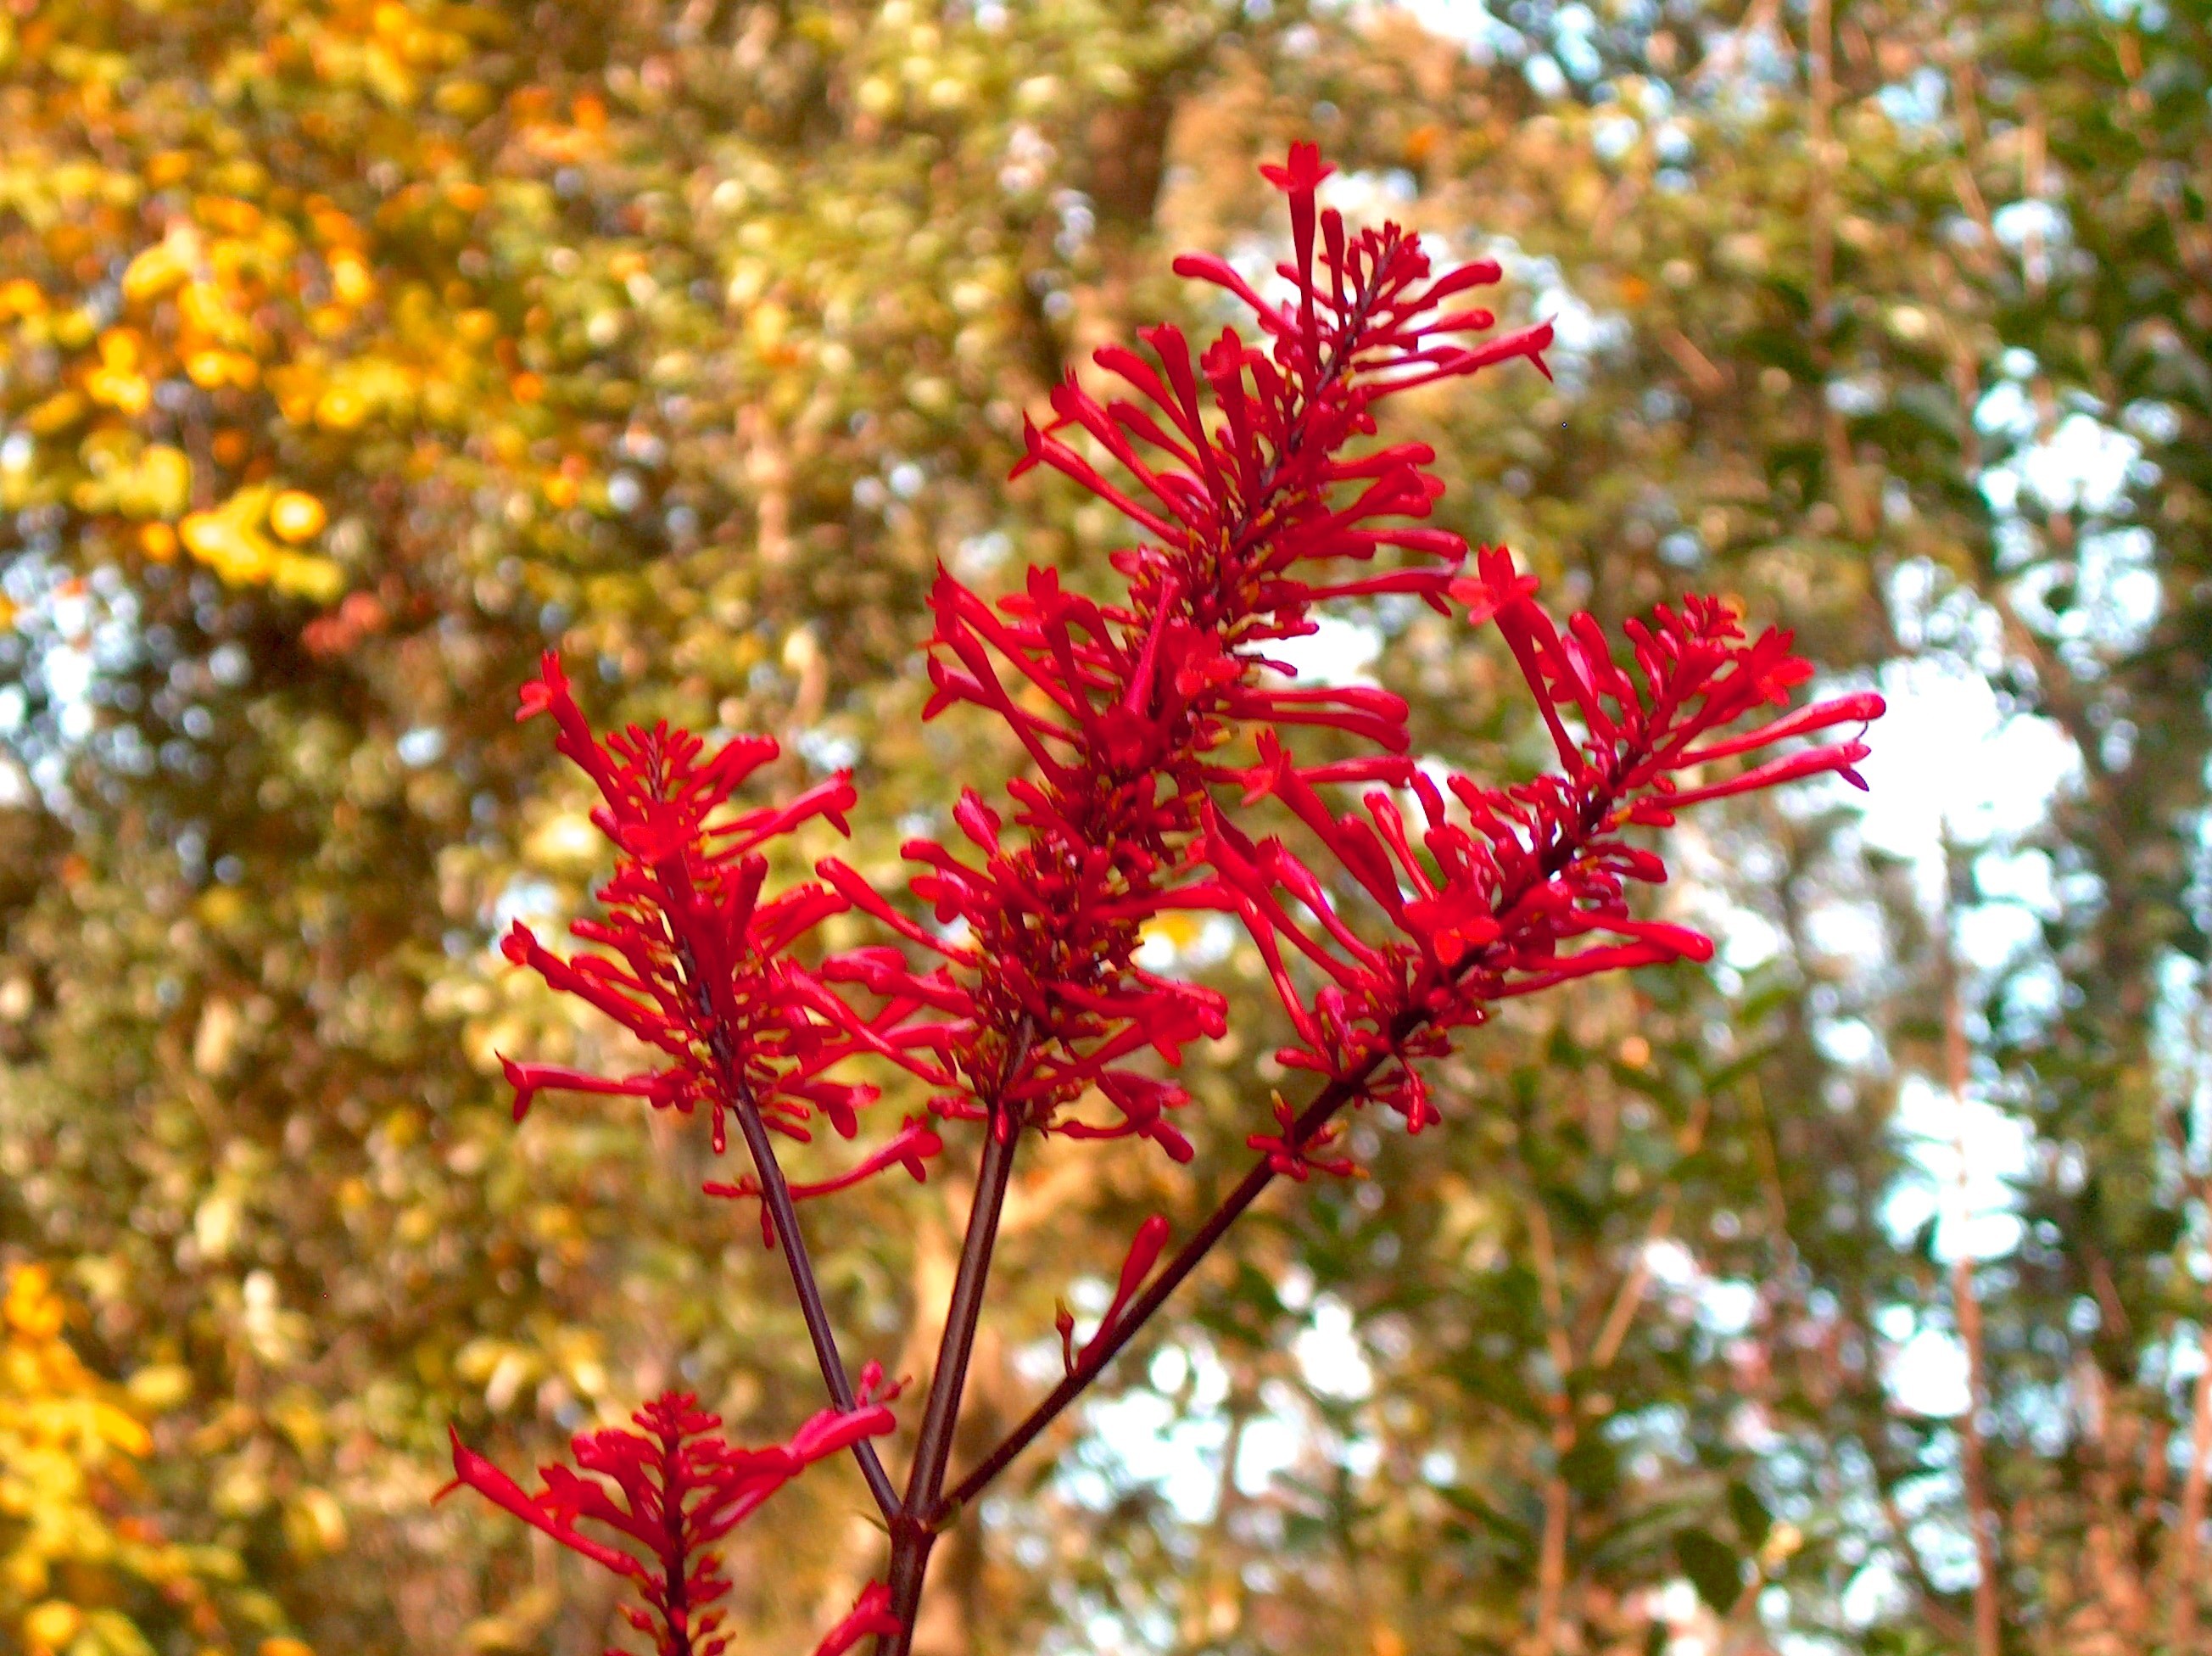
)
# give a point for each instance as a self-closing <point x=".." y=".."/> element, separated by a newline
<point x="1591" y="1468"/>
<point x="1752" y="1520"/>
<point x="1713" y="1568"/>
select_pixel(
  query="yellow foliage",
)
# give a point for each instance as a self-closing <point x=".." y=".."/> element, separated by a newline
<point x="314" y="1523"/>
<point x="205" y="308"/>
<point x="121" y="477"/>
<point x="231" y="539"/>
<point x="228" y="546"/>
<point x="121" y="389"/>
<point x="350" y="280"/>
<point x="165" y="265"/>
<point x="22" y="297"/>
<point x="296" y="516"/>
<point x="68" y="1442"/>
<point x="212" y="369"/>
<point x="341" y="408"/>
<point x="57" y="413"/>
<point x="31" y="1309"/>
<point x="159" y="1387"/>
<point x="315" y="579"/>
<point x="228" y="213"/>
<point x="289" y="350"/>
<point x="52" y="1624"/>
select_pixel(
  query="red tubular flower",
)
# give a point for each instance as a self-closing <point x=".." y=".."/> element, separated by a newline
<point x="870" y="1618"/>
<point x="1063" y="1322"/>
<point x="1239" y="482"/>
<point x="1144" y="1250"/>
<point x="1291" y="1158"/>
<point x="1136" y="1265"/>
<point x="912" y="1148"/>
<point x="668" y="1491"/>
<point x="528" y="1080"/>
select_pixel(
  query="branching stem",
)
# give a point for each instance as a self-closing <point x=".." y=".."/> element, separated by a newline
<point x="783" y="1212"/>
<point x="1109" y="1341"/>
<point x="914" y="1525"/>
<point x="1317" y="1114"/>
<point x="1981" y="1506"/>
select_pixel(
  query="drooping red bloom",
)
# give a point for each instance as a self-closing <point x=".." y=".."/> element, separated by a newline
<point x="1247" y="501"/>
<point x="1479" y="900"/>
<point x="665" y="1495"/>
<point x="692" y="955"/>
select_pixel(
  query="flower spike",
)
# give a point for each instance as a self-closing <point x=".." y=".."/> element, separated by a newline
<point x="694" y="957"/>
<point x="1022" y="977"/>
<point x="668" y="1489"/>
<point x="1235" y="466"/>
<point x="1480" y="902"/>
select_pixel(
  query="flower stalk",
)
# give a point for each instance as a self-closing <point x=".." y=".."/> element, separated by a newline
<point x="1174" y="766"/>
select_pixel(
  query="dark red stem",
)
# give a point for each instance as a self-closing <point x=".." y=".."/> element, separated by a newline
<point x="783" y="1212"/>
<point x="675" y="1556"/>
<point x="776" y="1194"/>
<point x="913" y="1531"/>
<point x="1109" y="1341"/>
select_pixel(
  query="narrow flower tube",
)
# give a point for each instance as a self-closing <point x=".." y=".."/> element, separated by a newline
<point x="1136" y="1265"/>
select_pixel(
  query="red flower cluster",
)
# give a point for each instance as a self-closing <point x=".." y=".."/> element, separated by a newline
<point x="1479" y="909"/>
<point x="672" y="1490"/>
<point x="1241" y="485"/>
<point x="1154" y="724"/>
<point x="911" y="1148"/>
<point x="695" y="961"/>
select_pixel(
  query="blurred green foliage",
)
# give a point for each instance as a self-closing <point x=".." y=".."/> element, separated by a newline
<point x="350" y="354"/>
